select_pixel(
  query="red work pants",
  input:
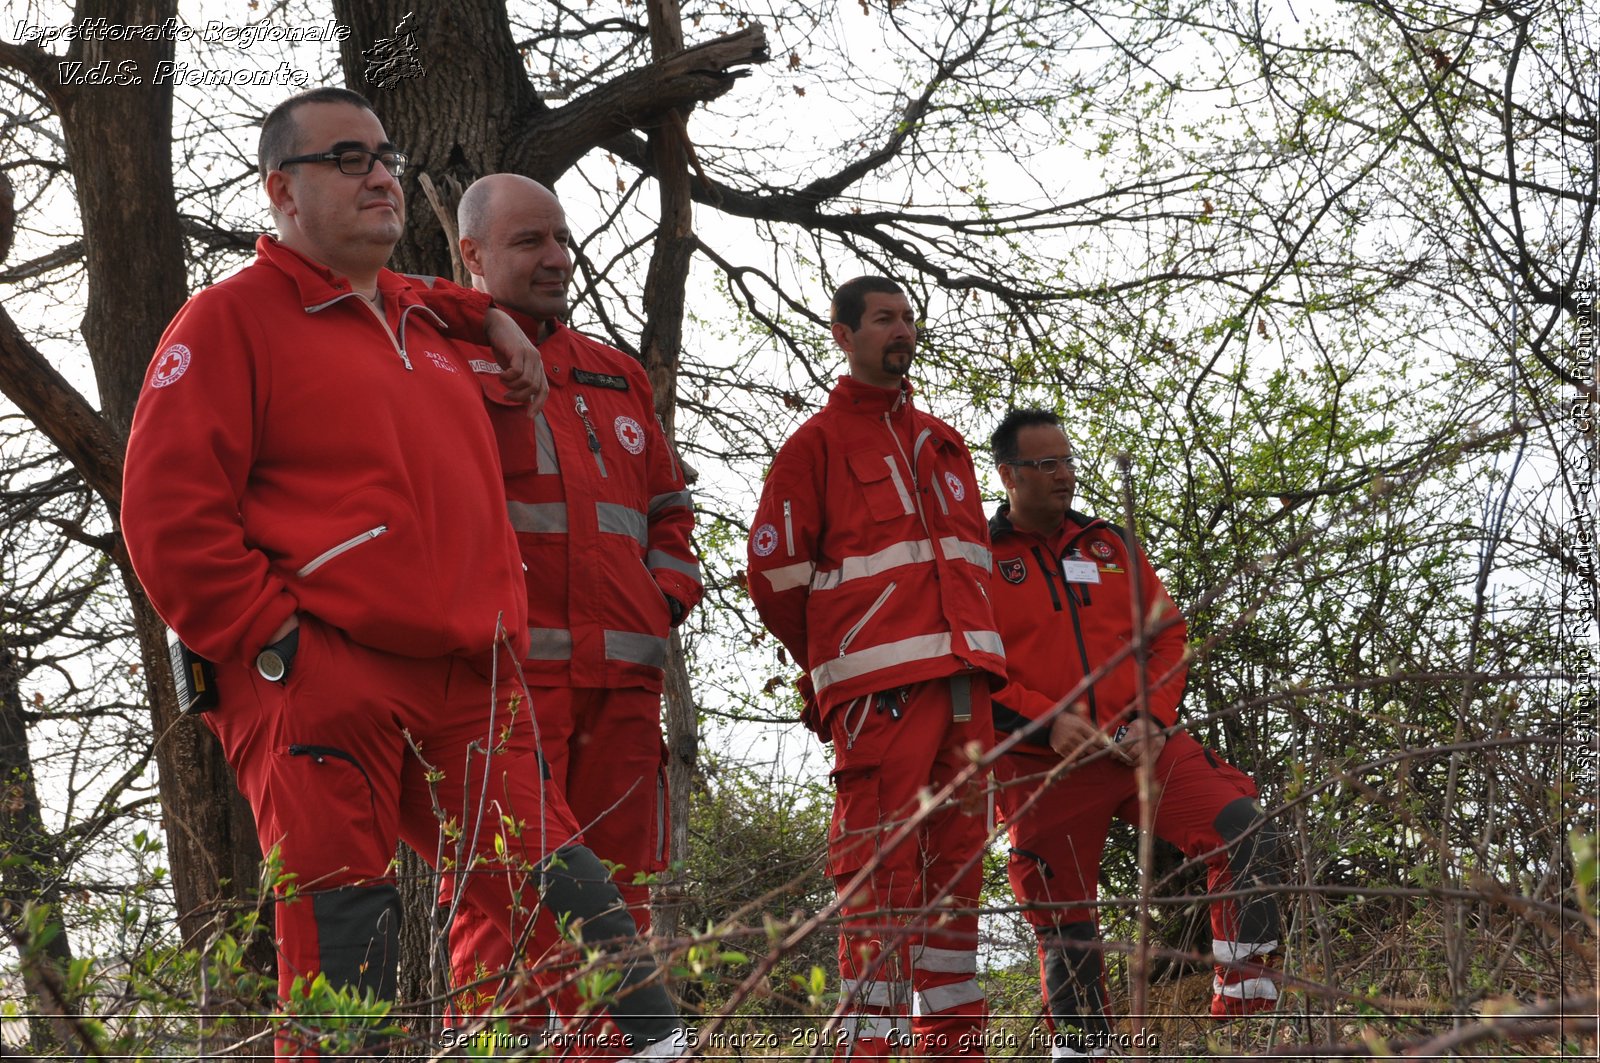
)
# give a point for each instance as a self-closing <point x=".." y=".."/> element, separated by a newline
<point x="1056" y="846"/>
<point x="603" y="750"/>
<point x="326" y="760"/>
<point x="910" y="930"/>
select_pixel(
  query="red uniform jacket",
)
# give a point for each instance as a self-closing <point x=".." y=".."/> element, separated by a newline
<point x="1057" y="631"/>
<point x="867" y="554"/>
<point x="289" y="453"/>
<point x="600" y="507"/>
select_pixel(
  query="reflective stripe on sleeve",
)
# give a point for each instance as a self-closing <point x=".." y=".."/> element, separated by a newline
<point x="789" y="577"/>
<point x="873" y="994"/>
<point x="671" y="500"/>
<point x="661" y="559"/>
<point x="538" y="516"/>
<point x="985" y="642"/>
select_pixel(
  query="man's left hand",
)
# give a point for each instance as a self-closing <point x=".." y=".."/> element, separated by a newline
<point x="1143" y="741"/>
<point x="523" y="369"/>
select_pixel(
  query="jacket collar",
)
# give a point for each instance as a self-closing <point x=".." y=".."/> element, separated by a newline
<point x="1000" y="524"/>
<point x="852" y="396"/>
<point x="318" y="285"/>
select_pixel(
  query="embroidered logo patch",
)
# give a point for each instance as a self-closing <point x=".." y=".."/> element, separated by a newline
<point x="764" y="540"/>
<point x="1102" y="549"/>
<point x="483" y="365"/>
<point x="600" y="380"/>
<point x="442" y="362"/>
<point x="957" y="489"/>
<point x="1014" y="569"/>
<point x="630" y="435"/>
<point x="170" y="366"/>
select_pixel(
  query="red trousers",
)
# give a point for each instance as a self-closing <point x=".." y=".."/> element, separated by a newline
<point x="603" y="750"/>
<point x="326" y="760"/>
<point x="1203" y="805"/>
<point x="910" y="933"/>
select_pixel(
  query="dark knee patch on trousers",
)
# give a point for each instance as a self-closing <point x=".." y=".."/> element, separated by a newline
<point x="577" y="889"/>
<point x="1253" y="853"/>
<point x="1074" y="968"/>
<point x="358" y="938"/>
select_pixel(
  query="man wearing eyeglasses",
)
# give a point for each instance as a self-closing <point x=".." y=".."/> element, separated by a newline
<point x="313" y="501"/>
<point x="1069" y="601"/>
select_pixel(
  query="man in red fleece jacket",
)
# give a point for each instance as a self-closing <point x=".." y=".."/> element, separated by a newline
<point x="313" y="501"/>
<point x="1067" y="598"/>
<point x="603" y="518"/>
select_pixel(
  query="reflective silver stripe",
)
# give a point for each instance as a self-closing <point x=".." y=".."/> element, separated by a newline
<point x="973" y="553"/>
<point x="939" y="998"/>
<point x="1249" y="989"/>
<point x="661" y="559"/>
<point x="549" y="644"/>
<point x="938" y="492"/>
<point x="636" y="648"/>
<point x="789" y="577"/>
<point x="917" y="648"/>
<point x="865" y="1027"/>
<point x="1237" y="951"/>
<point x="916" y="448"/>
<point x="899" y="484"/>
<point x="544" y="444"/>
<point x="622" y="520"/>
<point x="911" y="552"/>
<point x="538" y="516"/>
<point x="985" y="642"/>
<point x="671" y="500"/>
<point x="947" y="961"/>
<point x="874" y="994"/>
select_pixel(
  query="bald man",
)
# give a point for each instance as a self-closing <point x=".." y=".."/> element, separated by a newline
<point x="603" y="519"/>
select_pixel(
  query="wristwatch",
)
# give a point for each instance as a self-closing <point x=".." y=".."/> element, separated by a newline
<point x="274" y="661"/>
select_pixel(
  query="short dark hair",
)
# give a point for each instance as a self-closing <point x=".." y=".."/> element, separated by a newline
<point x="1004" y="440"/>
<point x="280" y="136"/>
<point x="850" y="300"/>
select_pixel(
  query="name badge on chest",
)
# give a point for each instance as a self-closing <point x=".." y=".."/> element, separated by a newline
<point x="1079" y="570"/>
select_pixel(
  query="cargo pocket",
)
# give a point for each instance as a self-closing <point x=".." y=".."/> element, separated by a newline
<point x="883" y="485"/>
<point x="857" y="816"/>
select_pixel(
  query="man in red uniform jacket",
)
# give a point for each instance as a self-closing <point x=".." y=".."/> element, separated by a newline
<point x="867" y="560"/>
<point x="1065" y="604"/>
<point x="603" y="518"/>
<point x="313" y="501"/>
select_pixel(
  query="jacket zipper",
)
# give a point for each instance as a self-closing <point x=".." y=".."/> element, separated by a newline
<point x="319" y="754"/>
<point x="588" y="428"/>
<point x="788" y="527"/>
<point x="396" y="342"/>
<point x="334" y="551"/>
<point x="844" y="643"/>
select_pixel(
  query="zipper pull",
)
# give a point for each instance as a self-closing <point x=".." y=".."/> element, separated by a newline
<point x="406" y="359"/>
<point x="588" y="427"/>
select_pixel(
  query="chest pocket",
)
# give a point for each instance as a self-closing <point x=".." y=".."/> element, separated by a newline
<point x="883" y="485"/>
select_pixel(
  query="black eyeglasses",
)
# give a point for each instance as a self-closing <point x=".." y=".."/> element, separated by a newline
<point x="357" y="162"/>
<point x="1045" y="465"/>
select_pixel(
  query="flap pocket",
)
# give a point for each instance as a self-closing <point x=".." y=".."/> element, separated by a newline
<point x="885" y="487"/>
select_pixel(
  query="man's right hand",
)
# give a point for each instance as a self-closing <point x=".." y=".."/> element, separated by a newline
<point x="1073" y="736"/>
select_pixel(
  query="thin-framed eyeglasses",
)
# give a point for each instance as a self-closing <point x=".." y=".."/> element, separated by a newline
<point x="356" y="162"/>
<point x="1046" y="465"/>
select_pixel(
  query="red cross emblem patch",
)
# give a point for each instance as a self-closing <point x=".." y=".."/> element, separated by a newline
<point x="170" y="366"/>
<point x="630" y="435"/>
